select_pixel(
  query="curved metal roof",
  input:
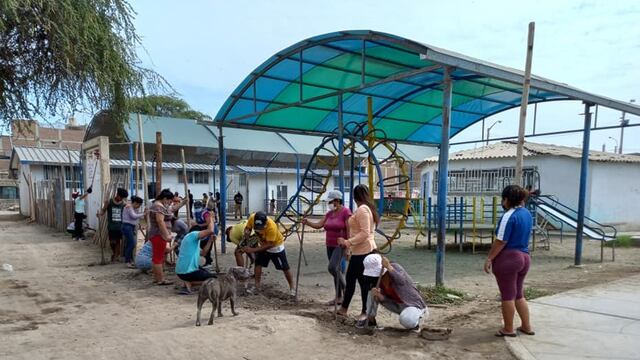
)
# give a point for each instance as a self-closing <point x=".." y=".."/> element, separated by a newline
<point x="298" y="89"/>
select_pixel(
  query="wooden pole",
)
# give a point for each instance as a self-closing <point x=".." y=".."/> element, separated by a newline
<point x="299" y="262"/>
<point x="524" y="103"/>
<point x="186" y="187"/>
<point x="136" y="150"/>
<point x="158" y="162"/>
<point x="144" y="173"/>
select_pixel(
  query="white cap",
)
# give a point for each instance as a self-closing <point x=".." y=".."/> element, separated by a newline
<point x="373" y="265"/>
<point x="334" y="195"/>
<point x="410" y="317"/>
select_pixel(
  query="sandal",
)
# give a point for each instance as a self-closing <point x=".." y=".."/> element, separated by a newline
<point x="520" y="329"/>
<point x="164" y="283"/>
<point x="501" y="333"/>
<point x="333" y="302"/>
<point x="184" y="291"/>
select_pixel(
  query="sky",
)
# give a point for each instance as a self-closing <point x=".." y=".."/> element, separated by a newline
<point x="206" y="48"/>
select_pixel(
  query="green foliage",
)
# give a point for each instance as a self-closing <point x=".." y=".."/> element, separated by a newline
<point x="531" y="293"/>
<point x="161" y="105"/>
<point x="441" y="295"/>
<point x="60" y="56"/>
<point x="621" y="241"/>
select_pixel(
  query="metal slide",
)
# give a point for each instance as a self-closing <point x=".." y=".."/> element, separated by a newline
<point x="549" y="207"/>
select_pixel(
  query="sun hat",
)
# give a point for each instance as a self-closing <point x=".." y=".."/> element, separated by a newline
<point x="373" y="265"/>
<point x="410" y="317"/>
<point x="334" y="195"/>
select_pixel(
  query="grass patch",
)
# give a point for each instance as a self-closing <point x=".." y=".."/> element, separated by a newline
<point x="441" y="295"/>
<point x="531" y="293"/>
<point x="624" y="241"/>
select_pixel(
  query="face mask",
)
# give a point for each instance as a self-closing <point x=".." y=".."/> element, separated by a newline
<point x="332" y="206"/>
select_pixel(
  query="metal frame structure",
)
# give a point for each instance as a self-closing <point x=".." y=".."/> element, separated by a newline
<point x="445" y="70"/>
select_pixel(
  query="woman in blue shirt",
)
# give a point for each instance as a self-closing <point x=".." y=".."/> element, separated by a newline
<point x="187" y="267"/>
<point x="509" y="259"/>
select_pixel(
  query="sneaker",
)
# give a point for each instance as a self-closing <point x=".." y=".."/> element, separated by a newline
<point x="292" y="292"/>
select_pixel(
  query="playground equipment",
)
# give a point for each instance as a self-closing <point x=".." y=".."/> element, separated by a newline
<point x="549" y="208"/>
<point x="358" y="140"/>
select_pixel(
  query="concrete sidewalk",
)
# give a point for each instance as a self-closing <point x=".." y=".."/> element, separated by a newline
<point x="599" y="322"/>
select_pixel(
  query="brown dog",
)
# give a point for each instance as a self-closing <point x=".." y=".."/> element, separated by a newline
<point x="219" y="290"/>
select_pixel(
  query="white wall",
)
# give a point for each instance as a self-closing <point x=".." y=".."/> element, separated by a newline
<point x="615" y="194"/>
<point x="25" y="197"/>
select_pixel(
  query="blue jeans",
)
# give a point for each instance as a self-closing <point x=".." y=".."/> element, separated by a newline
<point x="129" y="232"/>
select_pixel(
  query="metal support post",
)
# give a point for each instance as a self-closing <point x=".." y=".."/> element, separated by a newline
<point x="223" y="191"/>
<point x="584" y="174"/>
<point x="298" y="183"/>
<point x="340" y="148"/>
<point x="351" y="174"/>
<point x="443" y="170"/>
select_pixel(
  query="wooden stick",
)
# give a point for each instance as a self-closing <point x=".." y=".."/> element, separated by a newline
<point x="523" y="105"/>
<point x="299" y="263"/>
<point x="144" y="173"/>
<point x="186" y="187"/>
<point x="158" y="162"/>
<point x="137" y="169"/>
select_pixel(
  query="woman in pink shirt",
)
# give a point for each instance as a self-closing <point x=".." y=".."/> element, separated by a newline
<point x="362" y="227"/>
<point x="335" y="224"/>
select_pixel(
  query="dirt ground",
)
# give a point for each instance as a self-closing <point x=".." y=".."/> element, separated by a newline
<point x="59" y="304"/>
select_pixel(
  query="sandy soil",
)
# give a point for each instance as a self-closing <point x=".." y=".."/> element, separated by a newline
<point x="58" y="304"/>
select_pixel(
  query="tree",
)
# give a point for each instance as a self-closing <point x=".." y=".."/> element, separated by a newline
<point x="59" y="56"/>
<point x="162" y="105"/>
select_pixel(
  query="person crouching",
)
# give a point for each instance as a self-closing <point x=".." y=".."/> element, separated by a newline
<point x="396" y="293"/>
<point x="187" y="266"/>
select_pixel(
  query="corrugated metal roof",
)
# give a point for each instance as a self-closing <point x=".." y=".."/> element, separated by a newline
<point x="46" y="156"/>
<point x="507" y="149"/>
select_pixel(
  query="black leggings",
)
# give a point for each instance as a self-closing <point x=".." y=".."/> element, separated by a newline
<point x="78" y="231"/>
<point x="355" y="272"/>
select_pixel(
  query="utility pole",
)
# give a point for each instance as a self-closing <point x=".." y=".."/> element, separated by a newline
<point x="489" y="130"/>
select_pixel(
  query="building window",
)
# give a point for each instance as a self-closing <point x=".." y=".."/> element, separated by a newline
<point x="194" y="177"/>
<point x="71" y="179"/>
<point x="314" y="184"/>
<point x="347" y="183"/>
<point x="475" y="181"/>
<point x="8" y="192"/>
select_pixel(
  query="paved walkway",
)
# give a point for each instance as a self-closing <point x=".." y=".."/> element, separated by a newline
<point x="599" y="322"/>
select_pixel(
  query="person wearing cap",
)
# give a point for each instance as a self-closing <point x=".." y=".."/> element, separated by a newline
<point x="235" y="235"/>
<point x="335" y="223"/>
<point x="397" y="293"/>
<point x="270" y="248"/>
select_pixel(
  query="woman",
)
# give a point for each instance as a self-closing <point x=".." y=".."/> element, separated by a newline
<point x="160" y="233"/>
<point x="335" y="224"/>
<point x="362" y="226"/>
<point x="397" y="293"/>
<point x="130" y="218"/>
<point x="509" y="259"/>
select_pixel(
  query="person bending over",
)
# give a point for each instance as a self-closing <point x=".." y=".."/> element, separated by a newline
<point x="270" y="248"/>
<point x="397" y="293"/>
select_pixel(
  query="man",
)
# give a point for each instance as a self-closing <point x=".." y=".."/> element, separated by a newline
<point x="235" y="235"/>
<point x="187" y="267"/>
<point x="397" y="293"/>
<point x="190" y="207"/>
<point x="113" y="208"/>
<point x="79" y="214"/>
<point x="238" y="210"/>
<point x="270" y="248"/>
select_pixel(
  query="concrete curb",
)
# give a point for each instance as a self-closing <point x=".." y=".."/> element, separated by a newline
<point x="518" y="350"/>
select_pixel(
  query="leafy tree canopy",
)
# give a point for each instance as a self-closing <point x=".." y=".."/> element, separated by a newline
<point x="162" y="105"/>
<point x="58" y="56"/>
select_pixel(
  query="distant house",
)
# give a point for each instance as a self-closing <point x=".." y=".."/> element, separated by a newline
<point x="613" y="187"/>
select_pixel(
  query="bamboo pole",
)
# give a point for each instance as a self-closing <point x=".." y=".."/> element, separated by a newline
<point x="300" y="263"/>
<point x="524" y="103"/>
<point x="144" y="174"/>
